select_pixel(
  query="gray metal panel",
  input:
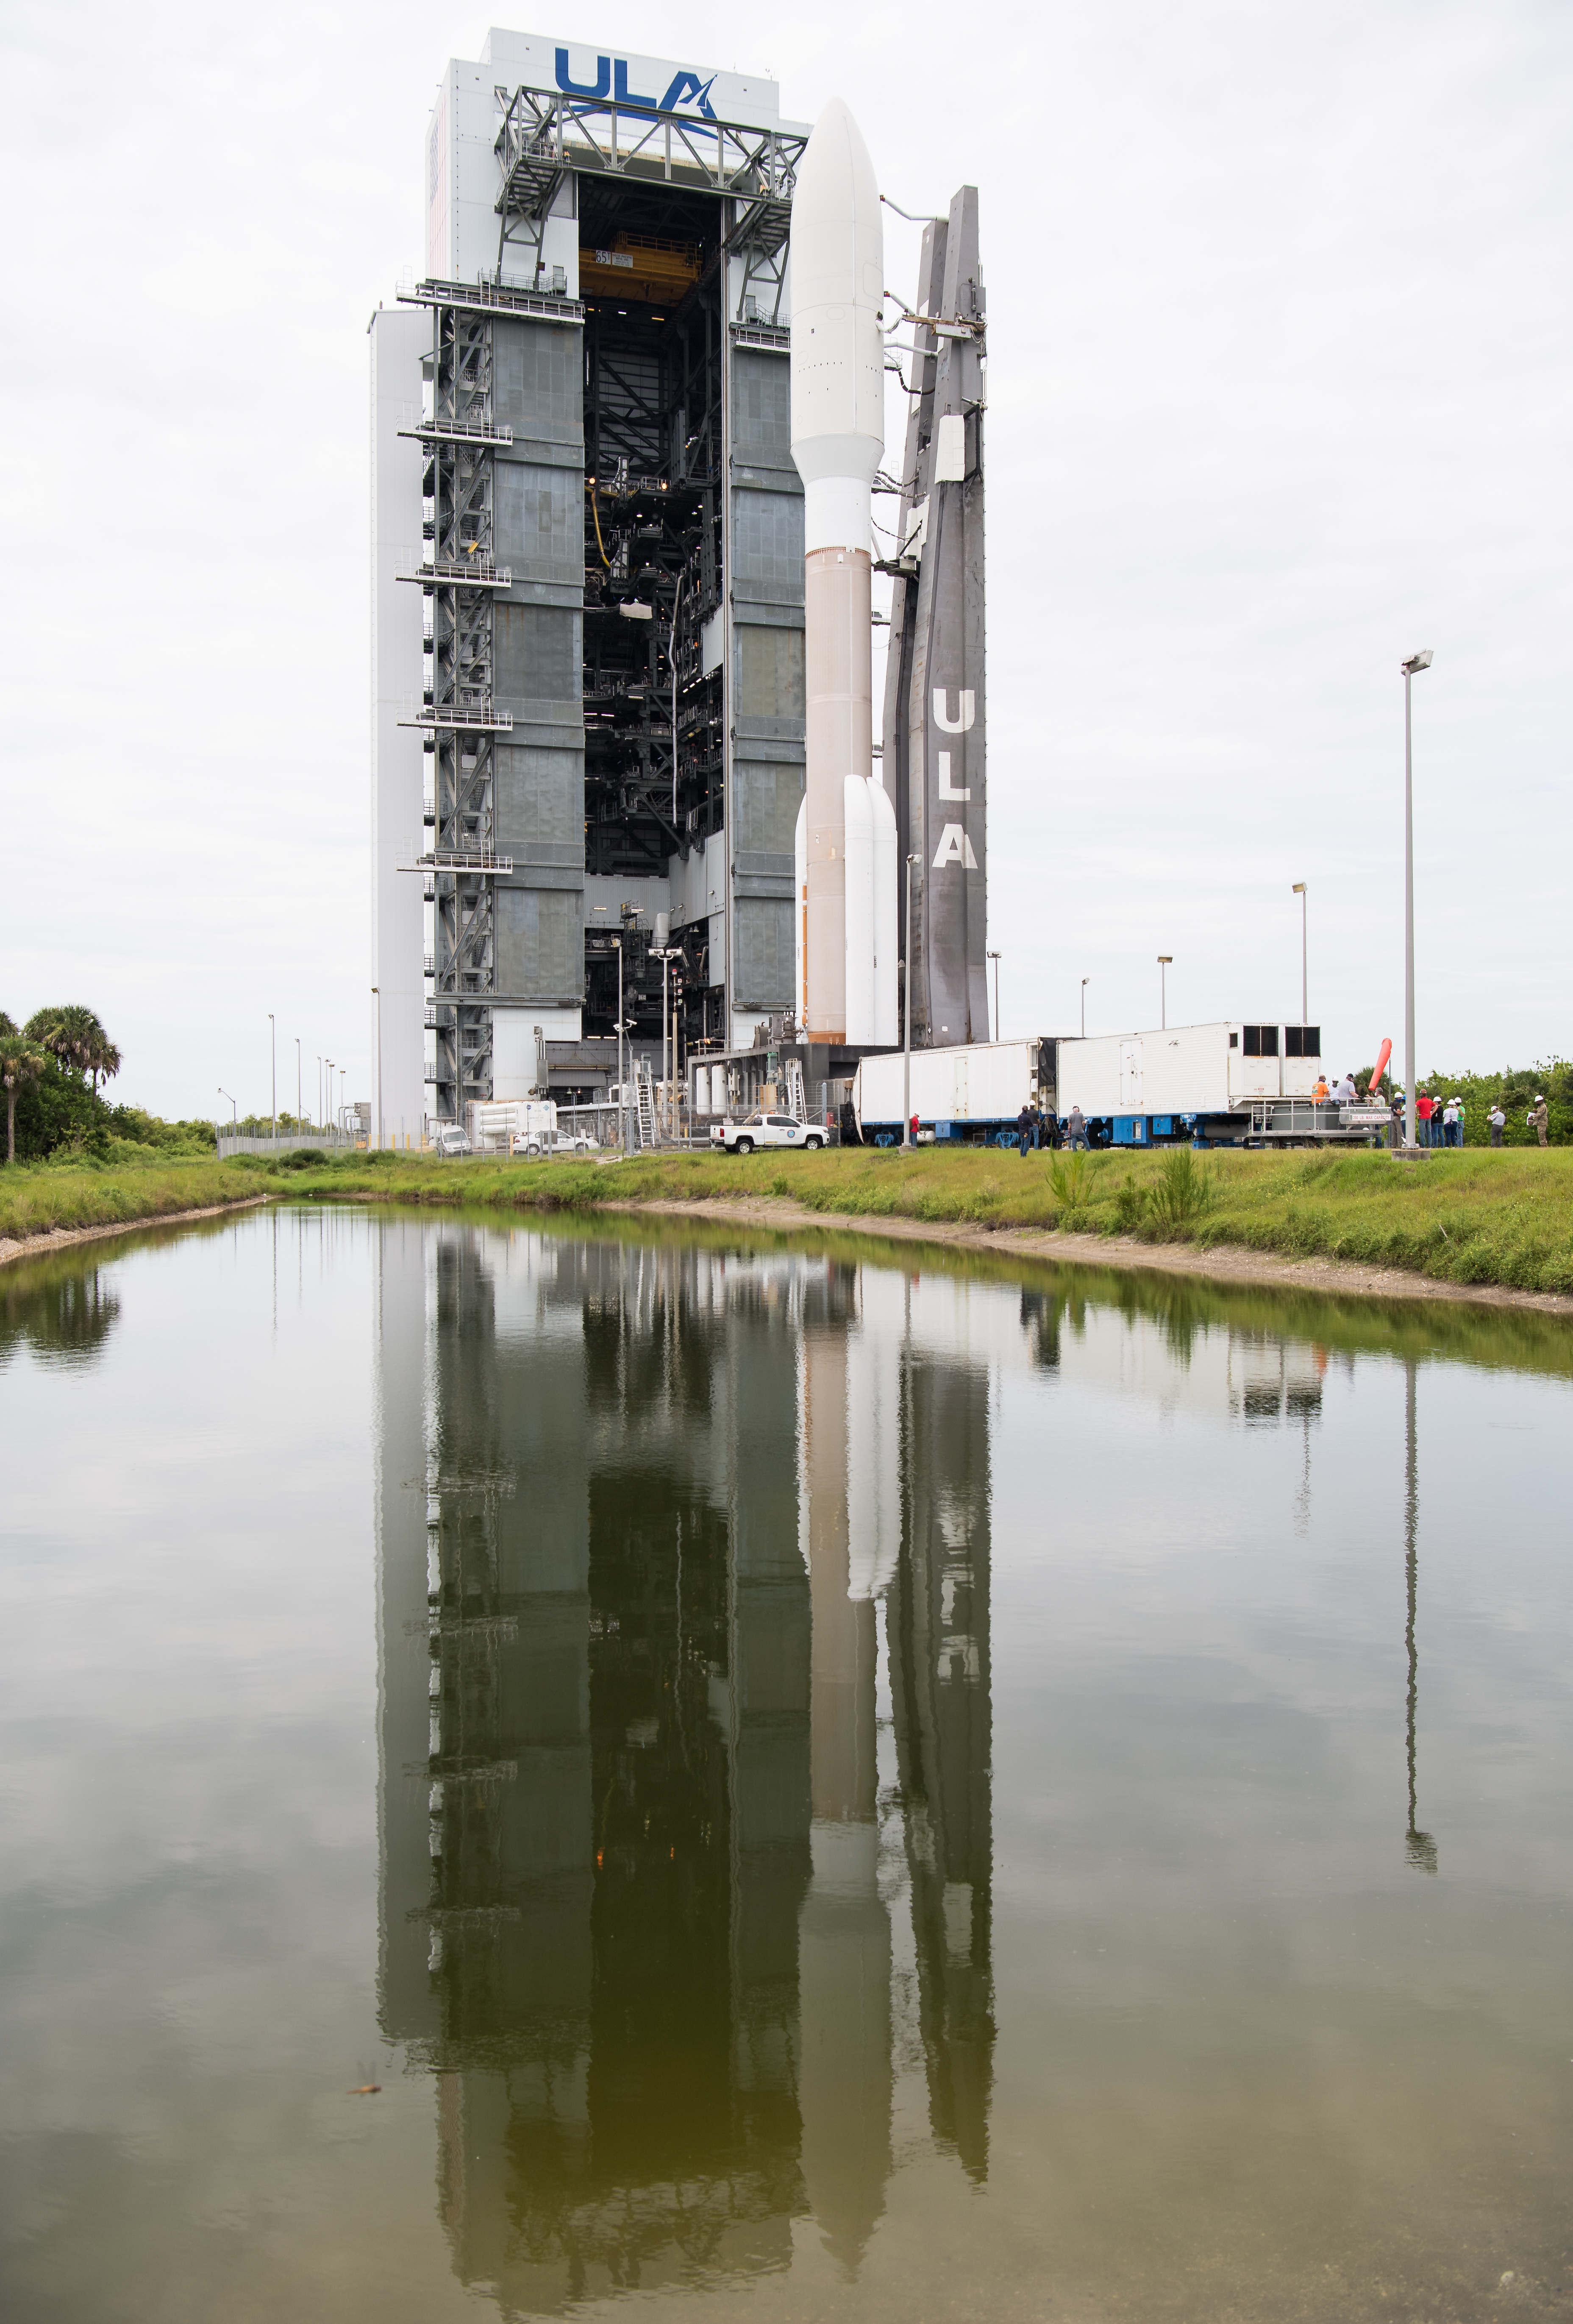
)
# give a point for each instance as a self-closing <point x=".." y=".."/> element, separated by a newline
<point x="544" y="453"/>
<point x="769" y="671"/>
<point x="768" y="538"/>
<point x="540" y="800"/>
<point x="765" y="803"/>
<point x="763" y="964"/>
<point x="540" y="942"/>
<point x="538" y="523"/>
<point x="761" y="404"/>
<point x="538" y="378"/>
<point x="538" y="654"/>
<point x="767" y="476"/>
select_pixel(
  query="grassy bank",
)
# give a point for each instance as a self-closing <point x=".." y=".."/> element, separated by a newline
<point x="1465" y="1217"/>
<point x="105" y="1194"/>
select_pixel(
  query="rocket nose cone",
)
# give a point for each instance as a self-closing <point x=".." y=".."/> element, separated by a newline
<point x="835" y="178"/>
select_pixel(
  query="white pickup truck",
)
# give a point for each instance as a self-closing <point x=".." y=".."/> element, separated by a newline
<point x="766" y="1130"/>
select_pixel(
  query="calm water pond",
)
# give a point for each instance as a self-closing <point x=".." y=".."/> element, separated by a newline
<point x="815" y="1783"/>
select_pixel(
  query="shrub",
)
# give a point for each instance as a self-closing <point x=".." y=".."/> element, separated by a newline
<point x="1183" y="1191"/>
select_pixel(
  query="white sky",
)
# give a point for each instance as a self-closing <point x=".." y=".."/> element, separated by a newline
<point x="1280" y="370"/>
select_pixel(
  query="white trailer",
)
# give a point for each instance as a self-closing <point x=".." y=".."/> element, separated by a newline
<point x="494" y="1127"/>
<point x="970" y="1090"/>
<point x="1204" y="1082"/>
<point x="1202" y="1069"/>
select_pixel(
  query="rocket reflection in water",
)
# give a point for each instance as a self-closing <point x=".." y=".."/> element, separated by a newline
<point x="644" y="1515"/>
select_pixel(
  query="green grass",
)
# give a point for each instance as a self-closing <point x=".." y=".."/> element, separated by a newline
<point x="36" y="1197"/>
<point x="1466" y="1217"/>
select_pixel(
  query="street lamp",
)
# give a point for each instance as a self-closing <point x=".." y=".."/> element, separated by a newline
<point x="621" y="1076"/>
<point x="273" y="1049"/>
<point x="1416" y="662"/>
<point x="327" y="1107"/>
<point x="234" y="1109"/>
<point x="907" y="1018"/>
<point x="1166" y="962"/>
<point x="1299" y="889"/>
<point x="299" y="1124"/>
<point x="1086" y="981"/>
<point x="994" y="956"/>
<point x="377" y="996"/>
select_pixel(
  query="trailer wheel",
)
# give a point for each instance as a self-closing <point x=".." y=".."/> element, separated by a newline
<point x="743" y="1145"/>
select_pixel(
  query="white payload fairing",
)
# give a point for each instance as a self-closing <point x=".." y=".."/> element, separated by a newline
<point x="846" y="828"/>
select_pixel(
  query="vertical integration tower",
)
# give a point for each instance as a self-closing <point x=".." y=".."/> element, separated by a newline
<point x="587" y="552"/>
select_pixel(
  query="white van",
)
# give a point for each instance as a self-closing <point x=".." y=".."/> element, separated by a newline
<point x="450" y="1139"/>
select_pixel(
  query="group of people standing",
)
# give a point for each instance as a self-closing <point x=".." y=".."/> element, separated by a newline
<point x="1036" y="1128"/>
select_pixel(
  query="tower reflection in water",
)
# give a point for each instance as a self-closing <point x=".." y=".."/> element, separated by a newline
<point x="644" y="1515"/>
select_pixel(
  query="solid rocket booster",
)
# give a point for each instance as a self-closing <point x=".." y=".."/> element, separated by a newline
<point x="838" y="436"/>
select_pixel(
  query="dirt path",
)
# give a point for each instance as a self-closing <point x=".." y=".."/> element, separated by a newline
<point x="39" y="1246"/>
<point x="1225" y="1264"/>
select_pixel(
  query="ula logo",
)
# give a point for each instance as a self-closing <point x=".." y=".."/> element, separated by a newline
<point x="611" y="81"/>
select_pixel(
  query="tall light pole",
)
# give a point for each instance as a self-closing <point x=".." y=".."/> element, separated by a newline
<point x="622" y="1077"/>
<point x="1422" y="660"/>
<point x="299" y="1124"/>
<point x="1086" y="981"/>
<point x="1166" y="962"/>
<point x="273" y="1051"/>
<point x="907" y="1018"/>
<point x="994" y="956"/>
<point x="328" y="1106"/>
<point x="321" y="1124"/>
<point x="377" y="996"/>
<point x="234" y="1109"/>
<point x="1299" y="889"/>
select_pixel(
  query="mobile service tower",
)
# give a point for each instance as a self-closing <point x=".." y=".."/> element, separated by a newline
<point x="587" y="555"/>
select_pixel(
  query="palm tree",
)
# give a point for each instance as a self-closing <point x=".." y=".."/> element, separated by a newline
<point x="75" y="1039"/>
<point x="21" y="1061"/>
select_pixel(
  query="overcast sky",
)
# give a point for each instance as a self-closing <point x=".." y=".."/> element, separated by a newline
<point x="1282" y="388"/>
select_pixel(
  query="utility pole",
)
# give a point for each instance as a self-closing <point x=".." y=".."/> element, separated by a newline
<point x="273" y="1051"/>
<point x="907" y="1018"/>
<point x="621" y="1076"/>
<point x="299" y="1124"/>
<point x="1416" y="662"/>
<point x="377" y="996"/>
<point x="994" y="956"/>
<point x="1299" y="889"/>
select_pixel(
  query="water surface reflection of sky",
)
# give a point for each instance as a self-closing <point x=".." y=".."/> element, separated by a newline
<point x="812" y="1783"/>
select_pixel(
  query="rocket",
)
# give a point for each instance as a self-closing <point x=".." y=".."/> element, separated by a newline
<point x="845" y="904"/>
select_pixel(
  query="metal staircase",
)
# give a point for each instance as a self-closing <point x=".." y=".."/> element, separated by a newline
<point x="644" y="1096"/>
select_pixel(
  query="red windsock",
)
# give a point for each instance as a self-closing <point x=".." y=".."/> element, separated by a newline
<point x="1383" y="1054"/>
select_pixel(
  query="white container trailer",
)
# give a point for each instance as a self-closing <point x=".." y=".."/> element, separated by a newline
<point x="1134" y="1088"/>
<point x="977" y="1088"/>
<point x="494" y="1127"/>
